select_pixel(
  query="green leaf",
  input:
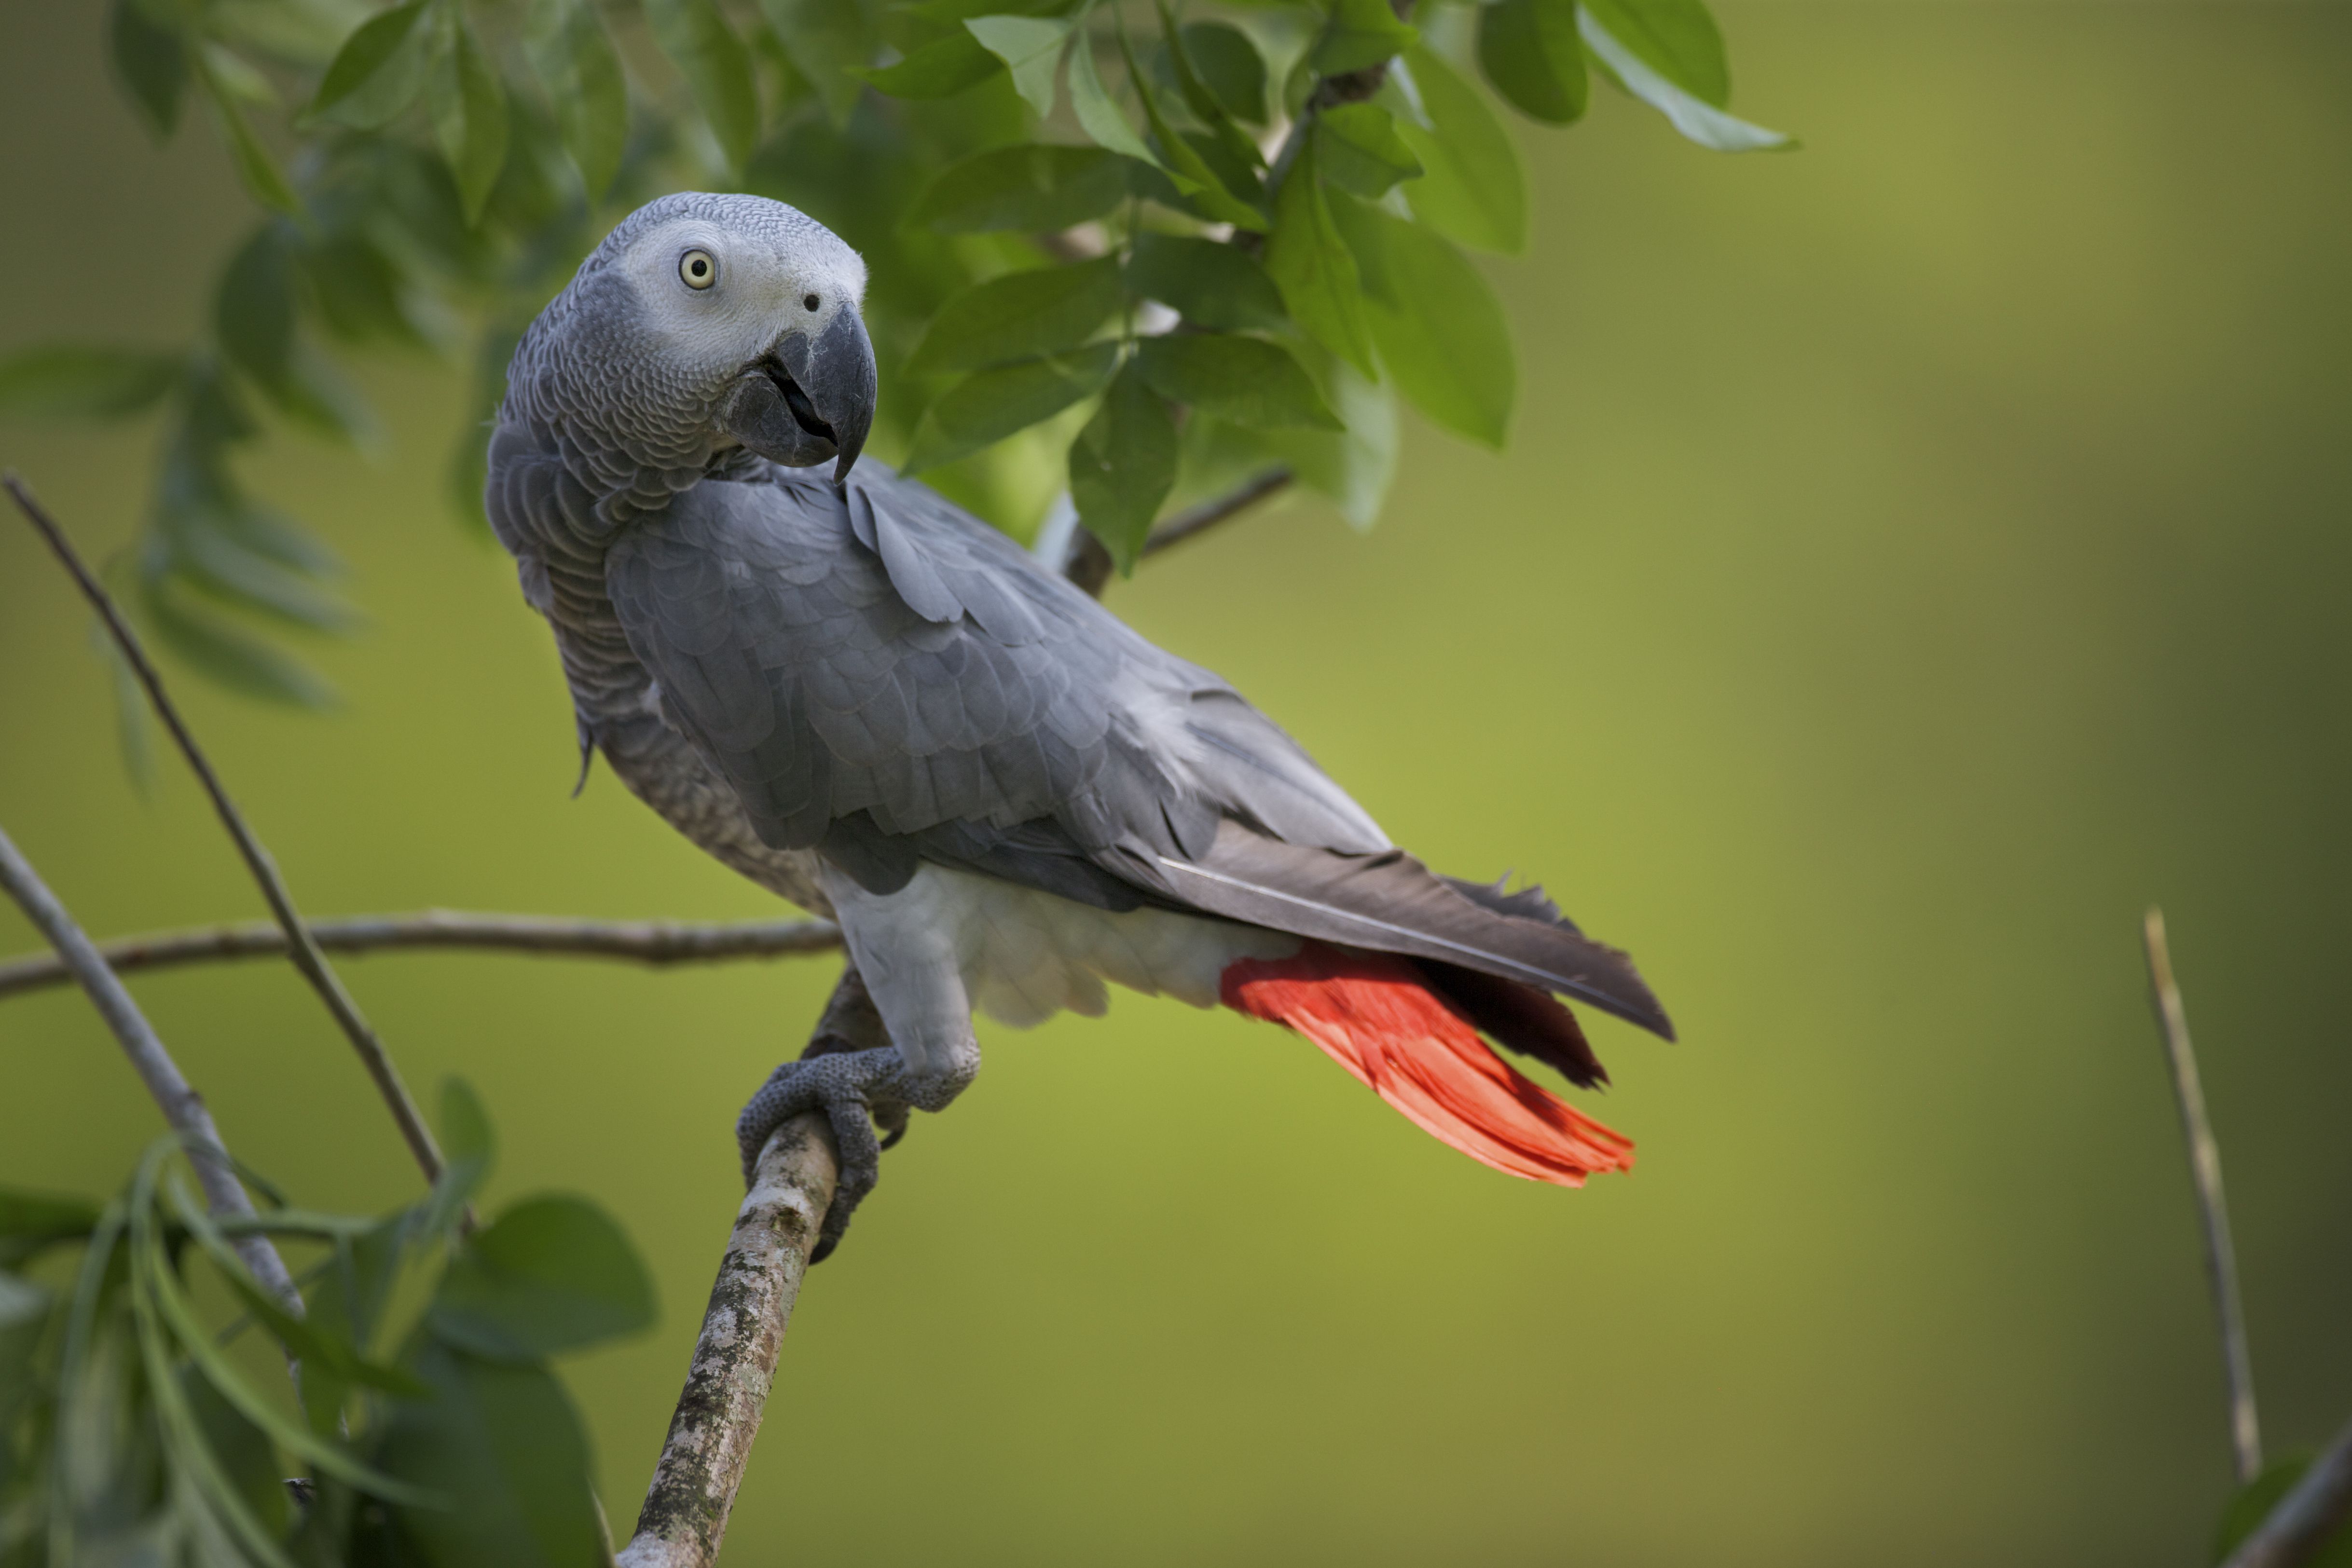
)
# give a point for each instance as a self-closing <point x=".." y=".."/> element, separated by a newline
<point x="553" y="1274"/>
<point x="235" y="658"/>
<point x="469" y="1149"/>
<point x="1312" y="267"/>
<point x="575" y="61"/>
<point x="205" y="553"/>
<point x="1123" y="465"/>
<point x="1031" y="49"/>
<point x="988" y="405"/>
<point x="151" y="61"/>
<point x="378" y="72"/>
<point x="241" y="1449"/>
<point x="1208" y="284"/>
<point x="1245" y="380"/>
<point x="937" y="70"/>
<point x="1472" y="189"/>
<point x="159" y="1288"/>
<point x="80" y="380"/>
<point x="827" y="40"/>
<point x="1700" y="121"/>
<point x="2253" y="1503"/>
<point x="1238" y="146"/>
<point x="1098" y="117"/>
<point x="24" y="1318"/>
<point x="503" y="1444"/>
<point x="1183" y="161"/>
<point x="1019" y="315"/>
<point x="1675" y="38"/>
<point x="32" y="1222"/>
<point x="1528" y="49"/>
<point x="717" y="67"/>
<point x="1358" y="34"/>
<point x="469" y="108"/>
<point x="1231" y="67"/>
<point x="1440" y="330"/>
<point x="1033" y="188"/>
<point x="256" y="166"/>
<point x="253" y="310"/>
<point x="1361" y="150"/>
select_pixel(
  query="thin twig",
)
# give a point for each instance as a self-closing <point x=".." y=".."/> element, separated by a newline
<point x="181" y="1106"/>
<point x="2315" y="1508"/>
<point x="2213" y="1210"/>
<point x="300" y="946"/>
<point x="656" y="941"/>
<point x="734" y="1365"/>
<point x="1089" y="565"/>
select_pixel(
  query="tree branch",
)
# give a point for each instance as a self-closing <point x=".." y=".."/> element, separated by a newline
<point x="2213" y="1207"/>
<point x="182" y="1107"/>
<point x="1090" y="564"/>
<point x="734" y="1365"/>
<point x="300" y="947"/>
<point x="656" y="941"/>
<point x="2306" y="1520"/>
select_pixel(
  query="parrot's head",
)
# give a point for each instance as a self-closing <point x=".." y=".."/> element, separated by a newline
<point x="704" y="323"/>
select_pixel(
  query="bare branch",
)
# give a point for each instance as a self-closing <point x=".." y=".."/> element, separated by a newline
<point x="2318" y="1505"/>
<point x="656" y="941"/>
<point x="1090" y="565"/>
<point x="2213" y="1210"/>
<point x="300" y="947"/>
<point x="734" y="1365"/>
<point x="181" y="1106"/>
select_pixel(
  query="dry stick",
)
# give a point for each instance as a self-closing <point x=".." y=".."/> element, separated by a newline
<point x="299" y="945"/>
<point x="655" y="942"/>
<point x="181" y="1106"/>
<point x="2213" y="1210"/>
<point x="710" y="1438"/>
<point x="2306" y="1520"/>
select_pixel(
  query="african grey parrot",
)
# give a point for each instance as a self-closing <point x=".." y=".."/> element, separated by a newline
<point x="872" y="702"/>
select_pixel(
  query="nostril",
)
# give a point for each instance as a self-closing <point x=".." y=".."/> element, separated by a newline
<point x="810" y="302"/>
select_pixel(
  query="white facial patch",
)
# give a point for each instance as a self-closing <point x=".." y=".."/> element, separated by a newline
<point x="766" y="285"/>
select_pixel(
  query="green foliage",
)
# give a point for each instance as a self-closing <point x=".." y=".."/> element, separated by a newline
<point x="1037" y="186"/>
<point x="2254" y="1502"/>
<point x="131" y="1425"/>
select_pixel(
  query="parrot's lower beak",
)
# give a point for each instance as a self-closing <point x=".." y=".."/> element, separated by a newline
<point x="806" y="400"/>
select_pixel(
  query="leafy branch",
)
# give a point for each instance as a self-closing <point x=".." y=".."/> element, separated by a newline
<point x="1119" y="253"/>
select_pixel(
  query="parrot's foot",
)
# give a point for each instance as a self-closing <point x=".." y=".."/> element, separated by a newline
<point x="857" y="1090"/>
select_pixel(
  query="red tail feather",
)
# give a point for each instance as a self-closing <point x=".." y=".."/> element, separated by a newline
<point x="1375" y="1016"/>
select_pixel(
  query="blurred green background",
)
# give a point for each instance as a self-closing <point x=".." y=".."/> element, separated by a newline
<point x="1914" y="555"/>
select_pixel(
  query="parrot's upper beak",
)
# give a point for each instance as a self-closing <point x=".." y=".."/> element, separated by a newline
<point x="806" y="400"/>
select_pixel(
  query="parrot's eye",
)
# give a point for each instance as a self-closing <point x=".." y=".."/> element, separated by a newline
<point x="810" y="301"/>
<point x="695" y="269"/>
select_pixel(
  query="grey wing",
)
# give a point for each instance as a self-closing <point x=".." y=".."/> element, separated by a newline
<point x="885" y="677"/>
<point x="881" y="676"/>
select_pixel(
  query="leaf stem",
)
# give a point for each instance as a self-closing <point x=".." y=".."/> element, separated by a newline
<point x="301" y="946"/>
<point x="2213" y="1207"/>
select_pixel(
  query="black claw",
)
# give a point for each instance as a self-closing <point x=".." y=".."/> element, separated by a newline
<point x="890" y="1139"/>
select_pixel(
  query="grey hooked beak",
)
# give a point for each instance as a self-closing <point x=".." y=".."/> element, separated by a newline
<point x="807" y="400"/>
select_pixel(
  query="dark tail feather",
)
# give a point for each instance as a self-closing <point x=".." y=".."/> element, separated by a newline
<point x="1527" y="1020"/>
<point x="1390" y="903"/>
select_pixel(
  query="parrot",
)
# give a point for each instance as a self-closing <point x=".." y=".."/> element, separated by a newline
<point x="885" y="710"/>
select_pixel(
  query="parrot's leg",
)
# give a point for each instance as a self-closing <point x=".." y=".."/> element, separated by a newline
<point x="854" y="1075"/>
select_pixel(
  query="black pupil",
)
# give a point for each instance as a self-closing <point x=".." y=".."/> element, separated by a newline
<point x="698" y="266"/>
<point x="809" y="302"/>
